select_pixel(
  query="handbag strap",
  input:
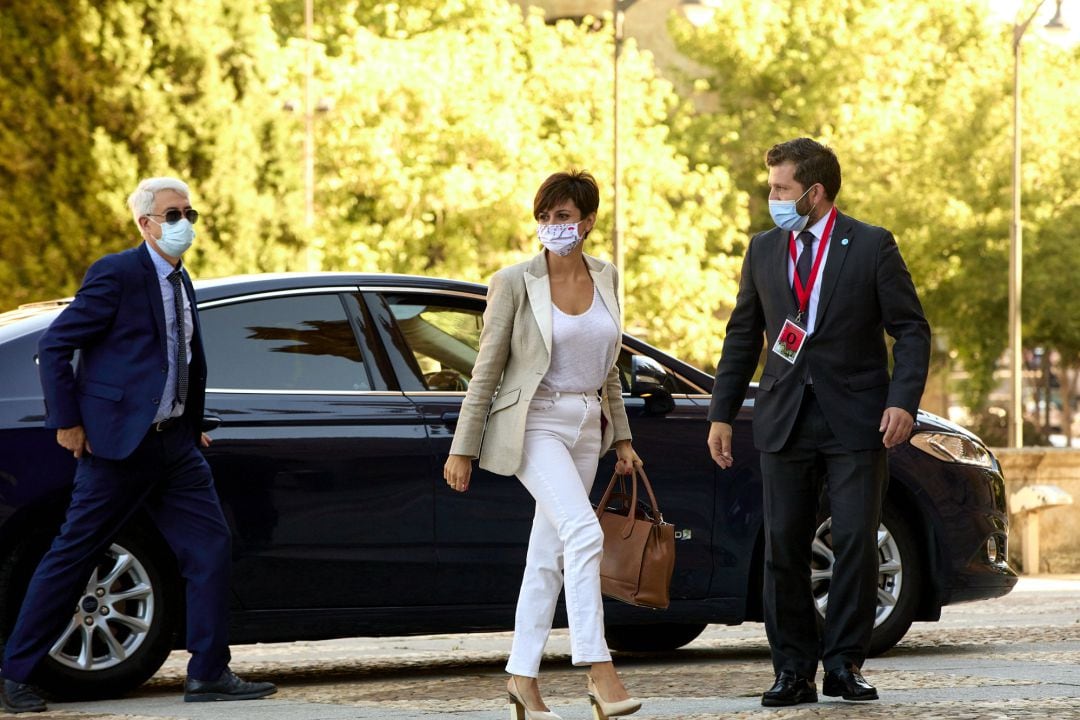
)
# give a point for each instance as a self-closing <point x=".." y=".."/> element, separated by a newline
<point x="632" y="515"/>
<point x="648" y="489"/>
<point x="601" y="508"/>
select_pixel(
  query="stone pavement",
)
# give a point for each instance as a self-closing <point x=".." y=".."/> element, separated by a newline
<point x="1015" y="657"/>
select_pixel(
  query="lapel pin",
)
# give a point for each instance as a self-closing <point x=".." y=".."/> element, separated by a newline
<point x="844" y="241"/>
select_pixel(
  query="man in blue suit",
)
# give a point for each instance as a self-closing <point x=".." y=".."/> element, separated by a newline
<point x="131" y="414"/>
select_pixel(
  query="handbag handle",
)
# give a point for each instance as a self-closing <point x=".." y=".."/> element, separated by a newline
<point x="628" y="528"/>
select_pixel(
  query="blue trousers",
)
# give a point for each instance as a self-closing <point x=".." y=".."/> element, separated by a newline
<point x="168" y="476"/>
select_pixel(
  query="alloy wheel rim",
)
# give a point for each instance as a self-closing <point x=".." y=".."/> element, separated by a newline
<point x="890" y="571"/>
<point x="112" y="617"/>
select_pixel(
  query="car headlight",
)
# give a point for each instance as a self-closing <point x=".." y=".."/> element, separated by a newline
<point x="953" y="448"/>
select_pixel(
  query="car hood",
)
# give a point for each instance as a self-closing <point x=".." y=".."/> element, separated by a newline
<point x="930" y="421"/>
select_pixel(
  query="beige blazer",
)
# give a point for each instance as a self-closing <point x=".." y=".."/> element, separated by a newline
<point x="515" y="351"/>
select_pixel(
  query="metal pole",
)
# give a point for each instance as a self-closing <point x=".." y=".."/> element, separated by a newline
<point x="1016" y="420"/>
<point x="616" y="233"/>
<point x="309" y="140"/>
<point x="1016" y="245"/>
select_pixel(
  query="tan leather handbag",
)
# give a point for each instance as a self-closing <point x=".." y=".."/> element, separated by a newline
<point x="639" y="547"/>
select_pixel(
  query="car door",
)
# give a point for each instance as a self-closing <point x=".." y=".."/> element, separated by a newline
<point x="481" y="535"/>
<point x="322" y="469"/>
<point x="671" y="442"/>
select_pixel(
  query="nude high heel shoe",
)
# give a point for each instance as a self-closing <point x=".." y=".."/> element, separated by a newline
<point x="602" y="710"/>
<point x="518" y="711"/>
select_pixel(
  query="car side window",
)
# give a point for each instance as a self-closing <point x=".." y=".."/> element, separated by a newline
<point x="298" y="342"/>
<point x="442" y="335"/>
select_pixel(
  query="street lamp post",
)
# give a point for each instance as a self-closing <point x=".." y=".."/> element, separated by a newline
<point x="1016" y="416"/>
<point x="618" y="8"/>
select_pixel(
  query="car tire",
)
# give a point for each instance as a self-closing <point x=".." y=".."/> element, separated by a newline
<point x="890" y="630"/>
<point x="899" y="580"/>
<point x="134" y="600"/>
<point x="652" y="638"/>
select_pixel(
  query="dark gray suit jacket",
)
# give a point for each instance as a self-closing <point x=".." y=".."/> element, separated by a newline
<point x="866" y="291"/>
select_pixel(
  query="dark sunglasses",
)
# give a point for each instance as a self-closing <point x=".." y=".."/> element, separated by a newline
<point x="172" y="215"/>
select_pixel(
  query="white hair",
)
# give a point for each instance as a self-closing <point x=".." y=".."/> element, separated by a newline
<point x="141" y="201"/>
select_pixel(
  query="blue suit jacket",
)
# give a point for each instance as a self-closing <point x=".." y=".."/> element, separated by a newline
<point x="117" y="323"/>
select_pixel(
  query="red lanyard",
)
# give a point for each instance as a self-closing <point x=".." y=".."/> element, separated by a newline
<point x="804" y="293"/>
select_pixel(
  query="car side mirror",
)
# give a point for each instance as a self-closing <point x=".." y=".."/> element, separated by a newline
<point x="647" y="381"/>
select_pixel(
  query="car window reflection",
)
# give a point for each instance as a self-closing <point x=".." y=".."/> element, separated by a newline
<point x="293" y="343"/>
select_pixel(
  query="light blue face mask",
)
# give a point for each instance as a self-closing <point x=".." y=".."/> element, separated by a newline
<point x="175" y="237"/>
<point x="786" y="216"/>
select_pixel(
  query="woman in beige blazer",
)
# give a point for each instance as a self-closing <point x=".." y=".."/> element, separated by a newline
<point x="544" y="403"/>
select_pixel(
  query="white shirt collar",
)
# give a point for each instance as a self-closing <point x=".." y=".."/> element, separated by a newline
<point x="818" y="228"/>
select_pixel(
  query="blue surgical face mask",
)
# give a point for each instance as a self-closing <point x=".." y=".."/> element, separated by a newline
<point x="786" y="215"/>
<point x="175" y="237"/>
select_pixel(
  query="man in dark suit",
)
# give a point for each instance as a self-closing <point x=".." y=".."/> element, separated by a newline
<point x="821" y="289"/>
<point x="131" y="414"/>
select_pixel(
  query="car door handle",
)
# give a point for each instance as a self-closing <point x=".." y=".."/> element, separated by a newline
<point x="450" y="418"/>
<point x="210" y="422"/>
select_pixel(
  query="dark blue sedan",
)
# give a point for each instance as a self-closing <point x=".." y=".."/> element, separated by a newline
<point x="333" y="398"/>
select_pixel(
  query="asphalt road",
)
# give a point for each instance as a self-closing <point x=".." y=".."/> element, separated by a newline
<point x="1015" y="657"/>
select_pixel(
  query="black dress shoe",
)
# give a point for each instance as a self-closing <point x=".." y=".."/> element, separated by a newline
<point x="226" y="687"/>
<point x="17" y="697"/>
<point x="790" y="689"/>
<point x="849" y="684"/>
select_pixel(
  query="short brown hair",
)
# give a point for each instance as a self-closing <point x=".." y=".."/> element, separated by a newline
<point x="814" y="163"/>
<point x="577" y="186"/>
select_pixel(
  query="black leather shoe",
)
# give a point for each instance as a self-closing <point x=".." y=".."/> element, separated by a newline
<point x="226" y="687"/>
<point x="790" y="689"/>
<point x="17" y="697"/>
<point x="849" y="684"/>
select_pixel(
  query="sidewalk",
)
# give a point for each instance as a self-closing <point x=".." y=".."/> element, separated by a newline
<point x="1014" y="657"/>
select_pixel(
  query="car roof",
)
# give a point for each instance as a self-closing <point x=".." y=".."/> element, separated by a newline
<point x="219" y="288"/>
<point x="35" y="316"/>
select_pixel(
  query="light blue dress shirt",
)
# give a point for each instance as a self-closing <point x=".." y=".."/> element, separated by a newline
<point x="168" y="407"/>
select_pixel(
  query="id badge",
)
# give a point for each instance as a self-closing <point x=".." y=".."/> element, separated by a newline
<point x="790" y="341"/>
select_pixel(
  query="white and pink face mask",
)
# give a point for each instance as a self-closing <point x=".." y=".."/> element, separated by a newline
<point x="560" y="239"/>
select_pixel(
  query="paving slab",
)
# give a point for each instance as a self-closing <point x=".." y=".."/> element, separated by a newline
<point x="1014" y="657"/>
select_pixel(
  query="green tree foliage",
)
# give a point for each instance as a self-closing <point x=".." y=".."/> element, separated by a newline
<point x="57" y="193"/>
<point x="98" y="95"/>
<point x="446" y="116"/>
<point x="438" y="140"/>
<point x="915" y="98"/>
<point x="1051" y="201"/>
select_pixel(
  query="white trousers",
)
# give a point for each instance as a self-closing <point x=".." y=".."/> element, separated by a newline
<point x="561" y="452"/>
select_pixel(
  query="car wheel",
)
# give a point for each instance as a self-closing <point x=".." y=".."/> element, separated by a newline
<point x="899" y="578"/>
<point x="123" y="625"/>
<point x="652" y="638"/>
